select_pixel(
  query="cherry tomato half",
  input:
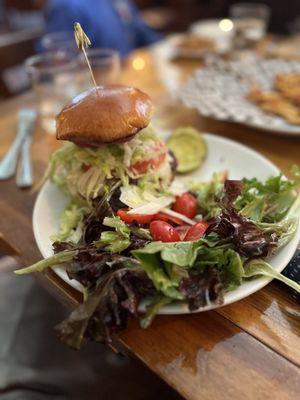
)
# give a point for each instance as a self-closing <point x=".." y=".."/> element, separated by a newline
<point x="143" y="166"/>
<point x="164" y="232"/>
<point x="130" y="218"/>
<point x="186" y="204"/>
<point x="196" y="231"/>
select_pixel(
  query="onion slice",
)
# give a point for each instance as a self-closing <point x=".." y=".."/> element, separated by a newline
<point x="178" y="215"/>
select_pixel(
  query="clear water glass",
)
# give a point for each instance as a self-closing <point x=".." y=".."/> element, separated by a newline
<point x="250" y="23"/>
<point x="54" y="81"/>
<point x="106" y="66"/>
<point x="59" y="41"/>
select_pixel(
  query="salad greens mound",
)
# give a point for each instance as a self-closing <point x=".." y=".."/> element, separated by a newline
<point x="130" y="235"/>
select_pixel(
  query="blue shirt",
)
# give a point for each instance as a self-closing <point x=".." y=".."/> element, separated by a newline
<point x="108" y="23"/>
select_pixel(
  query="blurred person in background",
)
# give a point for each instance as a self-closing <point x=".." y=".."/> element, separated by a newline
<point x="108" y="23"/>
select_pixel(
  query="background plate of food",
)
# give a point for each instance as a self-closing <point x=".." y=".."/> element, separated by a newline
<point x="208" y="36"/>
<point x="256" y="92"/>
<point x="186" y="46"/>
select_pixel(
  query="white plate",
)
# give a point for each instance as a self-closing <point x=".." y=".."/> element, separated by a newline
<point x="223" y="154"/>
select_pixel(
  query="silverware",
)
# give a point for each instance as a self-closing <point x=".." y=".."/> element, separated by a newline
<point x="24" y="176"/>
<point x="8" y="164"/>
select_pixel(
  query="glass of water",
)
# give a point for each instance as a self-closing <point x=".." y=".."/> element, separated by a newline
<point x="54" y="80"/>
<point x="59" y="41"/>
<point x="250" y="23"/>
<point x="106" y="66"/>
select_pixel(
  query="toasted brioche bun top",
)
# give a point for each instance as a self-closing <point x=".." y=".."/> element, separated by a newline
<point x="112" y="113"/>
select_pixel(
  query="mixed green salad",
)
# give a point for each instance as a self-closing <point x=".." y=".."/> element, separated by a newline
<point x="132" y="233"/>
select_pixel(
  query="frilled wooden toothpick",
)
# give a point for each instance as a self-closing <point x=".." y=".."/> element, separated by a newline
<point x="83" y="43"/>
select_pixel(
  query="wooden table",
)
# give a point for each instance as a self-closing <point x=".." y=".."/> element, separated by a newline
<point x="247" y="350"/>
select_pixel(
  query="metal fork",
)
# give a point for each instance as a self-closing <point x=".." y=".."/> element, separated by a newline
<point x="8" y="164"/>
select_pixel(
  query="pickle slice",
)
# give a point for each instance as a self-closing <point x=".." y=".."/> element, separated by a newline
<point x="189" y="148"/>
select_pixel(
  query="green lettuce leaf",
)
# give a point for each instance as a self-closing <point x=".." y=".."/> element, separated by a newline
<point x="226" y="261"/>
<point x="167" y="264"/>
<point x="208" y="195"/>
<point x="120" y="226"/>
<point x="57" y="259"/>
<point x="155" y="268"/>
<point x="115" y="241"/>
<point x="282" y="232"/>
<point x="141" y="233"/>
<point x="255" y="209"/>
<point x="268" y="201"/>
<point x="182" y="254"/>
<point x="232" y="270"/>
<point x="258" y="267"/>
<point x="153" y="308"/>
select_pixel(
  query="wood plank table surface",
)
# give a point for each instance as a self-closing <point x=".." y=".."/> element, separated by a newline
<point x="247" y="350"/>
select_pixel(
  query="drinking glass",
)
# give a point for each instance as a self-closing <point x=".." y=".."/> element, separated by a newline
<point x="54" y="80"/>
<point x="59" y="41"/>
<point x="250" y="23"/>
<point x="106" y="66"/>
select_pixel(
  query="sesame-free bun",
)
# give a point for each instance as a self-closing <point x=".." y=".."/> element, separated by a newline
<point x="112" y="113"/>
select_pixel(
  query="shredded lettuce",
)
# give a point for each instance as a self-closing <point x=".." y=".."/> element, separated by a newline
<point x="142" y="146"/>
<point x="70" y="229"/>
<point x="83" y="172"/>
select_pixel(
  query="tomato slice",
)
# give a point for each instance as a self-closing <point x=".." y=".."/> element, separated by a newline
<point x="196" y="231"/>
<point x="164" y="232"/>
<point x="130" y="218"/>
<point x="186" y="204"/>
<point x="142" y="167"/>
